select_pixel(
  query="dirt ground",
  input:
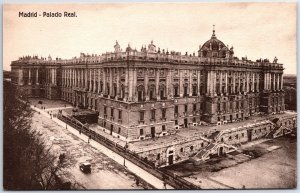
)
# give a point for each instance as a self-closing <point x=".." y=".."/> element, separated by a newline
<point x="274" y="168"/>
<point x="106" y="173"/>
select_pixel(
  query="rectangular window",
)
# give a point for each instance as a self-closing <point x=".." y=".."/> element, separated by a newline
<point x="194" y="107"/>
<point x="153" y="114"/>
<point x="105" y="110"/>
<point x="112" y="112"/>
<point x="141" y="132"/>
<point x="176" y="122"/>
<point x="176" y="91"/>
<point x="141" y="115"/>
<point x="176" y="109"/>
<point x="163" y="113"/>
<point x="119" y="131"/>
<point x="185" y="91"/>
<point x="120" y="114"/>
<point x="163" y="128"/>
<point x="185" y="108"/>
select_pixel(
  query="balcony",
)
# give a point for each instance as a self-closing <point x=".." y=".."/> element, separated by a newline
<point x="163" y="119"/>
<point x="119" y="120"/>
<point x="141" y="121"/>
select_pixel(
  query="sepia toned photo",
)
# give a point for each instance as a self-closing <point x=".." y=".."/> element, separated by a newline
<point x="123" y="96"/>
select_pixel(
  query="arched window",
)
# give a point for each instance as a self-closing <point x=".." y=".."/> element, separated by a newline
<point x="122" y="91"/>
<point x="185" y="90"/>
<point x="176" y="90"/>
<point x="108" y="89"/>
<point x="194" y="89"/>
<point x="115" y="90"/>
<point x="140" y="91"/>
<point x="101" y="86"/>
<point x="152" y="92"/>
<point x="162" y="92"/>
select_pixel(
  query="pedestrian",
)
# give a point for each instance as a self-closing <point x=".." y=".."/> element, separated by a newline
<point x="165" y="185"/>
<point x="88" y="140"/>
<point x="137" y="181"/>
<point x="80" y="132"/>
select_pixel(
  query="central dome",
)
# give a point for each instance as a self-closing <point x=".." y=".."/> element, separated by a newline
<point x="213" y="43"/>
<point x="215" y="48"/>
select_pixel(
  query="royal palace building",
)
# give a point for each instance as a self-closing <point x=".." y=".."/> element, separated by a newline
<point x="154" y="92"/>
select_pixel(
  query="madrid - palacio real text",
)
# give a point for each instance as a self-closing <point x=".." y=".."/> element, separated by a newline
<point x="167" y="106"/>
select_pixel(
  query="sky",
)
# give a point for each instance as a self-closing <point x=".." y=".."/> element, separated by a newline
<point x="255" y="30"/>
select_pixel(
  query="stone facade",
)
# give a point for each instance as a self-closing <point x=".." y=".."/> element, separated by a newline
<point x="153" y="92"/>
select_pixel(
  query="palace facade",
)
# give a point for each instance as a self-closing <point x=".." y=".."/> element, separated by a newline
<point x="154" y="92"/>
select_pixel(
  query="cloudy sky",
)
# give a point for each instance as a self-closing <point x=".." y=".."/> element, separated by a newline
<point x="255" y="30"/>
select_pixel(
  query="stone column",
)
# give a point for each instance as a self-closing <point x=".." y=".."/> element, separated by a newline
<point x="126" y="94"/>
<point x="118" y="82"/>
<point x="77" y="77"/>
<point x="104" y="81"/>
<point x="270" y="81"/>
<point x="94" y="80"/>
<point x="99" y="79"/>
<point x="221" y="83"/>
<point x="198" y="82"/>
<point x="274" y="80"/>
<point x="168" y="84"/>
<point x="253" y="80"/>
<point x="157" y="84"/>
<point x="257" y="80"/>
<point x="226" y="82"/>
<point x="233" y="89"/>
<point x="20" y="80"/>
<point x="146" y="80"/>
<point x="90" y="79"/>
<point x="214" y="78"/>
<point x="73" y="77"/>
<point x="29" y="76"/>
<point x="190" y="83"/>
<point x="63" y="77"/>
<point x="281" y="83"/>
<point x="244" y="82"/>
<point x="239" y="87"/>
<point x="81" y="78"/>
<point x="69" y="77"/>
<point x="247" y="82"/>
<point x="37" y="77"/>
<point x="277" y="77"/>
<point x="66" y="77"/>
<point x="180" y="83"/>
<point x="208" y="83"/>
<point x="134" y="91"/>
<point x="265" y="81"/>
<point x="130" y="84"/>
<point x="110" y="81"/>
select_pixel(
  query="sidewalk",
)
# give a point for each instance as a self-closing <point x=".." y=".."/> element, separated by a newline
<point x="149" y="178"/>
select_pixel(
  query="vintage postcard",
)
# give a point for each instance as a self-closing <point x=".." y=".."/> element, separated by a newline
<point x="114" y="96"/>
